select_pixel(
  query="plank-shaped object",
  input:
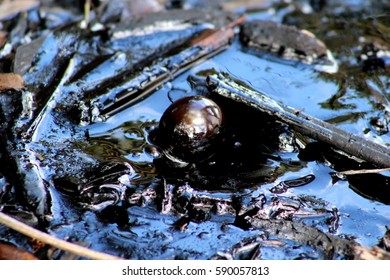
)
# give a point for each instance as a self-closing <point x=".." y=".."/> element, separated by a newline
<point x="301" y="122"/>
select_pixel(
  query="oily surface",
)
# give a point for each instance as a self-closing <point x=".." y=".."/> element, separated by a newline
<point x="80" y="161"/>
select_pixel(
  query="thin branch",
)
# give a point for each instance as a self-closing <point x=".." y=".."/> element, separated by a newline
<point x="301" y="122"/>
<point x="362" y="171"/>
<point x="53" y="241"/>
<point x="87" y="9"/>
<point x="202" y="47"/>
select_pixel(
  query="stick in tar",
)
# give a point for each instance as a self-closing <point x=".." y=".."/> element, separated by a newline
<point x="204" y="46"/>
<point x="303" y="123"/>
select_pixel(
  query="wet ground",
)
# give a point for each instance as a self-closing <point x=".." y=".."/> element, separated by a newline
<point x="85" y="167"/>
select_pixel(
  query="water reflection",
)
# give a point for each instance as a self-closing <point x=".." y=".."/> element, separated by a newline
<point x="193" y="203"/>
<point x="128" y="143"/>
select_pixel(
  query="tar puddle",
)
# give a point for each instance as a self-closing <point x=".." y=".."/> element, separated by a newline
<point x="90" y="161"/>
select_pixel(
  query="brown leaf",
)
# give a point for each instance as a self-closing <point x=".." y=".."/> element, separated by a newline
<point x="10" y="252"/>
<point x="3" y="38"/>
<point x="8" y="9"/>
<point x="11" y="81"/>
<point x="248" y="5"/>
<point x="140" y="7"/>
<point x="374" y="253"/>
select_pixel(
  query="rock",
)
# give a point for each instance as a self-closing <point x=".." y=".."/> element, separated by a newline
<point x="285" y="41"/>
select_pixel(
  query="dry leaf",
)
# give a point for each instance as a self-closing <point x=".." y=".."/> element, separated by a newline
<point x="11" y="81"/>
<point x="3" y="38"/>
<point x="11" y="8"/>
<point x="374" y="253"/>
<point x="248" y="5"/>
<point x="140" y="7"/>
<point x="10" y="252"/>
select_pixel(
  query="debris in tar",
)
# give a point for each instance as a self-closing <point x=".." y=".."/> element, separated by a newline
<point x="11" y="81"/>
<point x="287" y="42"/>
<point x="10" y="252"/>
<point x="12" y="8"/>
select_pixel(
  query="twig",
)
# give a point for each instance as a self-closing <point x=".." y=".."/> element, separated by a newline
<point x="87" y="8"/>
<point x="202" y="47"/>
<point x="303" y="123"/>
<point x="53" y="241"/>
<point x="362" y="171"/>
